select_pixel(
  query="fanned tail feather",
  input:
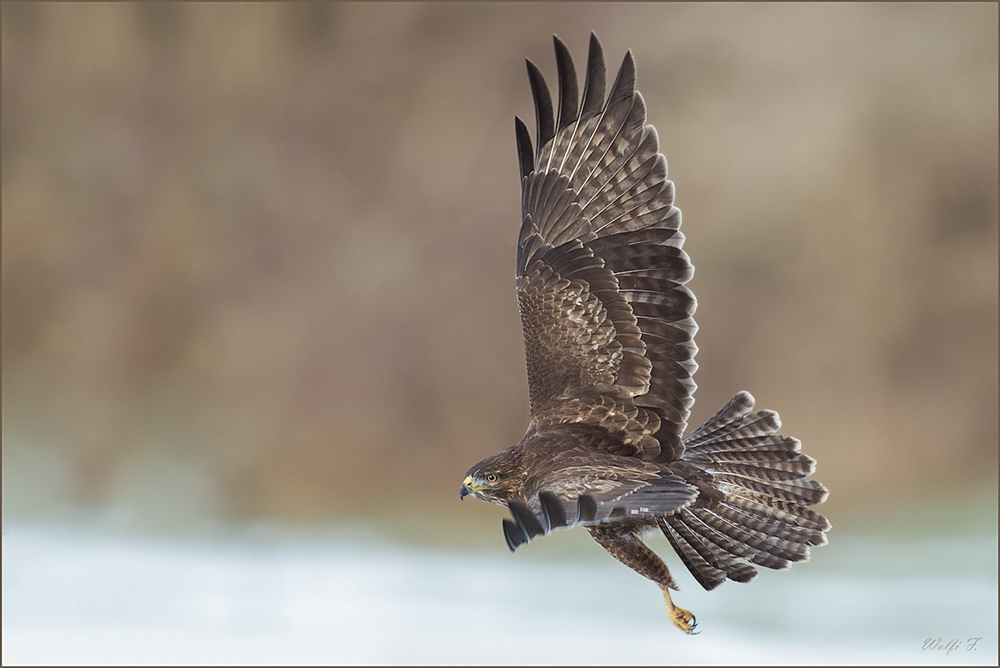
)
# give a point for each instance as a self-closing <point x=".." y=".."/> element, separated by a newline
<point x="753" y="507"/>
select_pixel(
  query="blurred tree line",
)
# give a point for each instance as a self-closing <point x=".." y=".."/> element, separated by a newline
<point x="258" y="258"/>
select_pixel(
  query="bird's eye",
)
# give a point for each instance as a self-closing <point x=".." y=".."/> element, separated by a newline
<point x="491" y="478"/>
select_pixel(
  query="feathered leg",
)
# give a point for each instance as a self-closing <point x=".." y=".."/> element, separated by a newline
<point x="626" y="547"/>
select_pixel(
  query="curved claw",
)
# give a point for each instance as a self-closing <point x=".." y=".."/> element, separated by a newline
<point x="681" y="618"/>
<point x="684" y="620"/>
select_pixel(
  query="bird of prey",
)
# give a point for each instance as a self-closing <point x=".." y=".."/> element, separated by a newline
<point x="608" y="333"/>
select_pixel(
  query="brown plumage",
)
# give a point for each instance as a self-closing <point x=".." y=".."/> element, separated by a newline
<point x="608" y="333"/>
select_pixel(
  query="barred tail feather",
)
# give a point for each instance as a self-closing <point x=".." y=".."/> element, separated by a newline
<point x="702" y="556"/>
<point x="755" y="509"/>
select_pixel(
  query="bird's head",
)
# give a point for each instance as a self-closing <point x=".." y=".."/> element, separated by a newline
<point x="495" y="479"/>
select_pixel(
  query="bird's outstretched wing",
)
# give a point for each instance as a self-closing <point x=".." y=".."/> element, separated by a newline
<point x="600" y="271"/>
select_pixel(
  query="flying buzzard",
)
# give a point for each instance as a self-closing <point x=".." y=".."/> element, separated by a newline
<point x="608" y="334"/>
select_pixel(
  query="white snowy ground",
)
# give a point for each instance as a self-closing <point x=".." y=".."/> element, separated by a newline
<point x="72" y="595"/>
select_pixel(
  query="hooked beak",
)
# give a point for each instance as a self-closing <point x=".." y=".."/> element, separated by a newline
<point x="466" y="488"/>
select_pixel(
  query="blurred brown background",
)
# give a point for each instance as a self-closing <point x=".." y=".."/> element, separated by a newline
<point x="258" y="258"/>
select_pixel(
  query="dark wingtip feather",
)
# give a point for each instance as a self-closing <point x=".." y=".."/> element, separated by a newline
<point x="625" y="81"/>
<point x="586" y="508"/>
<point x="513" y="534"/>
<point x="525" y="519"/>
<point x="568" y="90"/>
<point x="593" y="91"/>
<point x="543" y="105"/>
<point x="525" y="154"/>
<point x="553" y="510"/>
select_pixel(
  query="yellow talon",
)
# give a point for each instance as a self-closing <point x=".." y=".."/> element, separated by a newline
<point x="682" y="619"/>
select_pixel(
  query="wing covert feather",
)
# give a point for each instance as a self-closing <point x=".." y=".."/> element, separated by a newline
<point x="591" y="488"/>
